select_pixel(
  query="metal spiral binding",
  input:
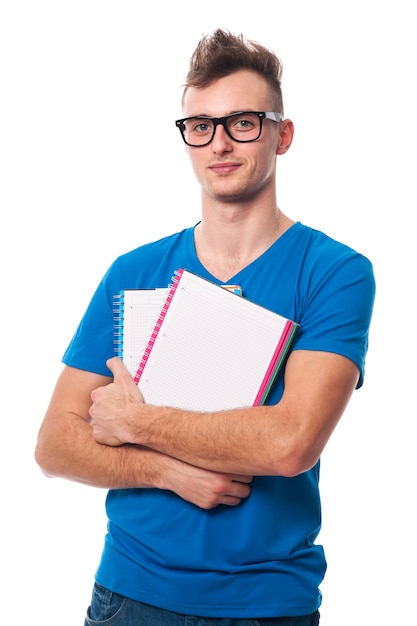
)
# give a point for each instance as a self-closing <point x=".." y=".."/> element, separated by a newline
<point x="118" y="302"/>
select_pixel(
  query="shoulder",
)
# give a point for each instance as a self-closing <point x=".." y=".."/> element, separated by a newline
<point x="318" y="241"/>
<point x="157" y="247"/>
<point x="324" y="254"/>
<point x="150" y="263"/>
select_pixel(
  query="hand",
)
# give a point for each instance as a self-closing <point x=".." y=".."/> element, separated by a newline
<point x="114" y="406"/>
<point x="204" y="488"/>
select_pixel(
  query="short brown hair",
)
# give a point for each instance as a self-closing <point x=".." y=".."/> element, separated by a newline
<point x="222" y="53"/>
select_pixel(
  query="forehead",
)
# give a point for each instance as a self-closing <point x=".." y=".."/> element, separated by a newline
<point x="241" y="91"/>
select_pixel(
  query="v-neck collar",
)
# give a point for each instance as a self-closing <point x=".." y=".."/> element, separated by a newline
<point x="201" y="269"/>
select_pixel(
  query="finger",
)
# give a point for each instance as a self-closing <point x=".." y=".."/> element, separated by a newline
<point x="232" y="500"/>
<point x="241" y="478"/>
<point x="115" y="365"/>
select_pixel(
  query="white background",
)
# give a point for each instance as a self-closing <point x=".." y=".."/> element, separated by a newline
<point x="92" y="166"/>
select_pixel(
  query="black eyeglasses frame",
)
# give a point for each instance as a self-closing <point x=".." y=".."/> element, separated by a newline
<point x="222" y="121"/>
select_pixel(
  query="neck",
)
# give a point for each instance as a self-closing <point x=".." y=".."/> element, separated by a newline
<point x="230" y="238"/>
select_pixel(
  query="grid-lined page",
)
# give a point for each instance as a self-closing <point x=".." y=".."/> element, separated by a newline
<point x="140" y="310"/>
<point x="212" y="350"/>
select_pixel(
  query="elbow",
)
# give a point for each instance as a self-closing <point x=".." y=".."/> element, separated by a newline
<point x="294" y="461"/>
<point x="46" y="473"/>
<point x="40" y="463"/>
<point x="292" y="468"/>
<point x="44" y="462"/>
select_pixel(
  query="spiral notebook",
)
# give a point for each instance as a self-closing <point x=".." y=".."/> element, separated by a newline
<point x="136" y="312"/>
<point x="210" y="349"/>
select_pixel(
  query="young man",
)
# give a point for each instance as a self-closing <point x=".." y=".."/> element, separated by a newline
<point x="213" y="517"/>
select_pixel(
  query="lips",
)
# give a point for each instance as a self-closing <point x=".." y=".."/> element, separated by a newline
<point x="224" y="168"/>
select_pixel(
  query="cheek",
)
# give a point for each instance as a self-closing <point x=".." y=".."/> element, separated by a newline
<point x="264" y="168"/>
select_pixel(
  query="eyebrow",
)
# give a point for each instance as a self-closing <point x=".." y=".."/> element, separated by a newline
<point x="231" y="113"/>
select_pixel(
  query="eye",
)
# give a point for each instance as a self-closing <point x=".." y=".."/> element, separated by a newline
<point x="244" y="122"/>
<point x="200" y="126"/>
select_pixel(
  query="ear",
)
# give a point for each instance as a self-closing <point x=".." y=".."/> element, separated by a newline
<point x="285" y="136"/>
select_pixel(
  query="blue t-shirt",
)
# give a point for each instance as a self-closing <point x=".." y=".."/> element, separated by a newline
<point x="258" y="559"/>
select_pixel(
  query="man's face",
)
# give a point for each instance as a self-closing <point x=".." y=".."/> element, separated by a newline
<point x="227" y="170"/>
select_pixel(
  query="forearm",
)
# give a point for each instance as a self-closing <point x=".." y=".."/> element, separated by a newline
<point x="70" y="451"/>
<point x="247" y="441"/>
<point x="236" y="441"/>
<point x="285" y="439"/>
<point x="67" y="448"/>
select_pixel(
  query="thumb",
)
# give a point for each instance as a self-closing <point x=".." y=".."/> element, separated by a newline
<point x="117" y="368"/>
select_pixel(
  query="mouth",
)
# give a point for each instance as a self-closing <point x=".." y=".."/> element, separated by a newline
<point x="224" y="168"/>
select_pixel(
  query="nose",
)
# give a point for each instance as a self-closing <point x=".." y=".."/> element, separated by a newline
<point x="221" y="141"/>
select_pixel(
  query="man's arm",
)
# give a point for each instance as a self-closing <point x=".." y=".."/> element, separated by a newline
<point x="66" y="448"/>
<point x="285" y="439"/>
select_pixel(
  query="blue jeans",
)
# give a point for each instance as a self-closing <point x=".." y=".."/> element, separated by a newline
<point x="110" y="609"/>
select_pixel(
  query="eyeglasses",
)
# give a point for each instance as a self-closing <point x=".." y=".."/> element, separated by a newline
<point x="243" y="127"/>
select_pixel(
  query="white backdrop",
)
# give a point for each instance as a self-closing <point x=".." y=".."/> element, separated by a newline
<point x="92" y="166"/>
